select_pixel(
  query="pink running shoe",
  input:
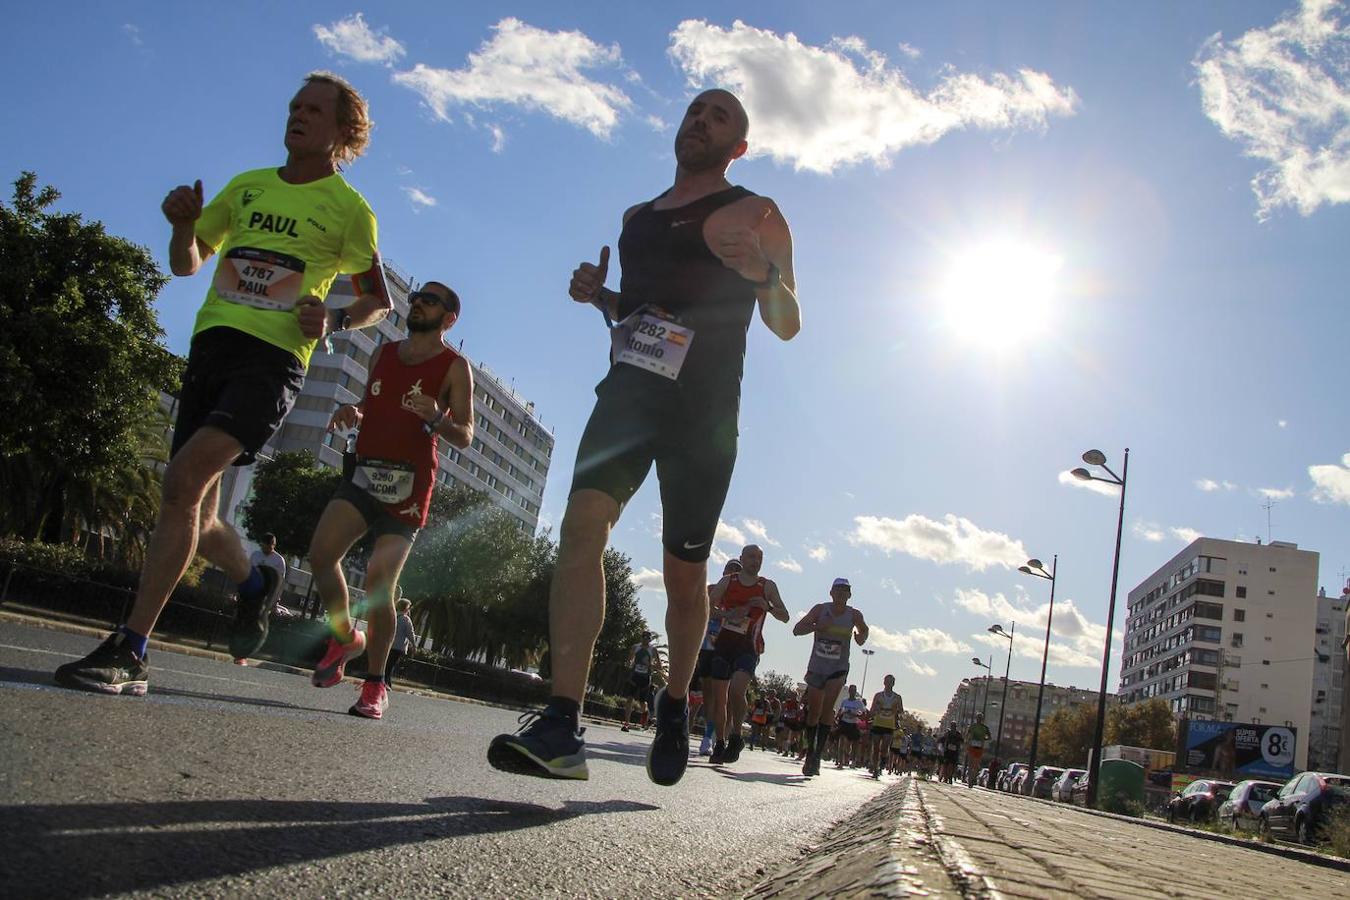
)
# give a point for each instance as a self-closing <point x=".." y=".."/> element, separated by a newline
<point x="336" y="655"/>
<point x="374" y="700"/>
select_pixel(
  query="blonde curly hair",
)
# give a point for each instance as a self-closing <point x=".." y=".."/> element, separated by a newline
<point x="353" y="114"/>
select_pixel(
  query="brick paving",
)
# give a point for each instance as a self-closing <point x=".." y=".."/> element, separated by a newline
<point x="920" y="838"/>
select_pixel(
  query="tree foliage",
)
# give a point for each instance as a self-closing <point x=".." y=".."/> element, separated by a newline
<point x="82" y="361"/>
<point x="779" y="683"/>
<point x="1066" y="736"/>
<point x="289" y="494"/>
<point x="1149" y="724"/>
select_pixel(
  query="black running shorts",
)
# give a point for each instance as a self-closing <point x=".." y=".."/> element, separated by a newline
<point x="641" y="418"/>
<point x="378" y="520"/>
<point x="238" y="383"/>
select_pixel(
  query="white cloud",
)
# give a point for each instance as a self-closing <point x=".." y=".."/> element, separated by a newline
<point x="1209" y="485"/>
<point x="353" y="38"/>
<point x="916" y="640"/>
<point x="790" y="565"/>
<point x="953" y="540"/>
<point x="824" y="107"/>
<point x="919" y="668"/>
<point x="1186" y="535"/>
<point x="756" y="527"/>
<point x="911" y="51"/>
<point x="1332" y="482"/>
<point x="133" y="34"/>
<point x="419" y="198"/>
<point x="1282" y="93"/>
<point x="1276" y="493"/>
<point x="649" y="579"/>
<point x="1283" y="423"/>
<point x="730" y="534"/>
<point x="1081" y="640"/>
<point x="656" y="123"/>
<point x="819" y="553"/>
<point x="1148" y="531"/>
<point x="890" y="585"/>
<point x="1100" y="487"/>
<point x="532" y="69"/>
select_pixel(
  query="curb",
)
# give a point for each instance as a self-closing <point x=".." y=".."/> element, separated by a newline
<point x="1284" y="850"/>
<point x="217" y="656"/>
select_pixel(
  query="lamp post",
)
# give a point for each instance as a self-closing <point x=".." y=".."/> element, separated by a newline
<point x="1003" y="707"/>
<point x="867" y="658"/>
<point x="988" y="674"/>
<point x="1037" y="568"/>
<point x="1098" y="458"/>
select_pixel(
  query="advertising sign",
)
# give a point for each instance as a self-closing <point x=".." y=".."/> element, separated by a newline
<point x="1238" y="751"/>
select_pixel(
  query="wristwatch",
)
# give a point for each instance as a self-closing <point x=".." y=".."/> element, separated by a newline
<point x="772" y="279"/>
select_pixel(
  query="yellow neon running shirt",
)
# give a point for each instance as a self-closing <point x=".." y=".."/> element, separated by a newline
<point x="276" y="243"/>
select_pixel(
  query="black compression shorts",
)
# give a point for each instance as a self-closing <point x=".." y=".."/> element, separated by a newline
<point x="641" y="418"/>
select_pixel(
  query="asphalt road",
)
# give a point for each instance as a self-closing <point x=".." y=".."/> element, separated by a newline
<point x="226" y="780"/>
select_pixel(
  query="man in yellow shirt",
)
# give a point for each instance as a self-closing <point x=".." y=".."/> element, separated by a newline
<point x="282" y="236"/>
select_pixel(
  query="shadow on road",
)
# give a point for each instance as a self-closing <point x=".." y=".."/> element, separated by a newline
<point x="624" y="753"/>
<point x="85" y="850"/>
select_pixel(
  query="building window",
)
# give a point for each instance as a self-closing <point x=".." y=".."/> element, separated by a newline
<point x="1241" y="591"/>
<point x="1236" y="639"/>
<point x="1272" y="568"/>
<point x="1239" y="615"/>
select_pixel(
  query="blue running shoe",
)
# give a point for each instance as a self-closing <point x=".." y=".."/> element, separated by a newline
<point x="668" y="756"/>
<point x="545" y="747"/>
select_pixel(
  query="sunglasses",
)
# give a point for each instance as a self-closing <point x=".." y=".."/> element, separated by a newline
<point x="428" y="298"/>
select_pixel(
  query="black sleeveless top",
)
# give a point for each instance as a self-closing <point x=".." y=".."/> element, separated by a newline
<point x="666" y="263"/>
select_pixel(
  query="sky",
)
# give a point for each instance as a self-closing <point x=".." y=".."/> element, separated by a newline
<point x="1021" y="231"/>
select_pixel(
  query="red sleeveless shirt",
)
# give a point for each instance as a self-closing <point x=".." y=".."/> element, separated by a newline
<point x="750" y="634"/>
<point x="392" y="445"/>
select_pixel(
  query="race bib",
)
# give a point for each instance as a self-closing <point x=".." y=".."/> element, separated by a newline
<point x="263" y="279"/>
<point x="828" y="648"/>
<point x="387" y="481"/>
<point x="651" y="340"/>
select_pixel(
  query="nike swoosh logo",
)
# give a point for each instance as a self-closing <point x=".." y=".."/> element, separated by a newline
<point x="689" y="546"/>
<point x="677" y="225"/>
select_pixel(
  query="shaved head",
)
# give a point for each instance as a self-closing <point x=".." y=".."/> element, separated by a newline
<point x="732" y="103"/>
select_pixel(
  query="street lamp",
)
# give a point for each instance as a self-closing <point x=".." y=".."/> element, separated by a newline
<point x="1003" y="707"/>
<point x="1098" y="458"/>
<point x="989" y="669"/>
<point x="868" y="658"/>
<point x="1037" y="568"/>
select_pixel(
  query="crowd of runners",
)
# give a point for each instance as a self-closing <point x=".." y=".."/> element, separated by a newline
<point x="699" y="262"/>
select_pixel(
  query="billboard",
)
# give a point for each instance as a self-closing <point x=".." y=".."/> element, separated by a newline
<point x="1238" y="751"/>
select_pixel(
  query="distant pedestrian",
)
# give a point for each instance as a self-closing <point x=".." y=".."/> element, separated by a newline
<point x="405" y="638"/>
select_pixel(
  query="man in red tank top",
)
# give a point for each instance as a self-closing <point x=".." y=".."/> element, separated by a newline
<point x="740" y="602"/>
<point x="419" y="390"/>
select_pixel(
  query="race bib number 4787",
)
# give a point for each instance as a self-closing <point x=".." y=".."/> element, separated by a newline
<point x="263" y="279"/>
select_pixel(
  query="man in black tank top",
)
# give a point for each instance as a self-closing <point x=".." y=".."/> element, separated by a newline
<point x="697" y="261"/>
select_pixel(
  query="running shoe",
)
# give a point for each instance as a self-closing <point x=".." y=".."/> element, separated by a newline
<point x="111" y="669"/>
<point x="373" y="702"/>
<point x="251" y="614"/>
<point x="705" y="747"/>
<point x="545" y="746"/>
<point x="336" y="655"/>
<point x="668" y="756"/>
<point x="625" y="727"/>
<point x="735" y="744"/>
<point x="718" y="752"/>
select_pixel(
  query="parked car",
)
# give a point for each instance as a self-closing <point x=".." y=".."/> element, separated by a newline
<point x="1079" y="791"/>
<point x="1243" y="806"/>
<point x="1046" y="776"/>
<point x="1063" y="785"/>
<point x="1020" y="781"/>
<point x="1199" y="801"/>
<point x="1011" y="776"/>
<point x="983" y="778"/>
<point x="1299" y="809"/>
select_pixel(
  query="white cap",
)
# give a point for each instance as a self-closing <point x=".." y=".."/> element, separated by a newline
<point x="841" y="582"/>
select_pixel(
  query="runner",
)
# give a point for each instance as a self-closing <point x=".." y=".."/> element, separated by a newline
<point x="705" y="654"/>
<point x="696" y="261"/>
<point x="833" y="624"/>
<point x="419" y="390"/>
<point x="790" y="723"/>
<point x="977" y="735"/>
<point x="759" y="718"/>
<point x="899" y="761"/>
<point x="642" y="659"/>
<point x="740" y="600"/>
<point x="887" y="706"/>
<point x="951" y="753"/>
<point x="284" y="234"/>
<point x="847" y="731"/>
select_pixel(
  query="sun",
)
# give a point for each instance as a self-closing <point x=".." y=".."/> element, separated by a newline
<point x="1000" y="294"/>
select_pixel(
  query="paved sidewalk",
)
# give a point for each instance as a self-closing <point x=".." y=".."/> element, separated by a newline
<point x="1023" y="848"/>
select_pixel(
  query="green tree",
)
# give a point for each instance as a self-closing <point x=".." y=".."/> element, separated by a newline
<point x="1067" y="736"/>
<point x="81" y="354"/>
<point x="624" y="624"/>
<point x="1149" y="724"/>
<point x="777" y="682"/>
<point x="289" y="494"/>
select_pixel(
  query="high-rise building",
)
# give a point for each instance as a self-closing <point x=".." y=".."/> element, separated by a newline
<point x="985" y="695"/>
<point x="1224" y="630"/>
<point x="1325" y="735"/>
<point x="511" y="451"/>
